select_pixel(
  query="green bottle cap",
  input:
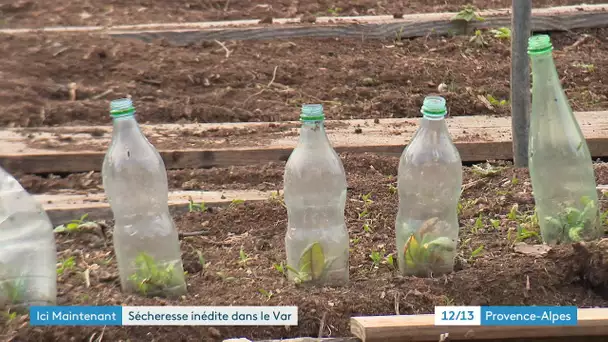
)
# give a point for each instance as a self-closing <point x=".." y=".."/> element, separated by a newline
<point x="539" y="44"/>
<point x="121" y="107"/>
<point x="312" y="112"/>
<point x="434" y="107"/>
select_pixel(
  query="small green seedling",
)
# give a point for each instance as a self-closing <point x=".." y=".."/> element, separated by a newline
<point x="66" y="265"/>
<point x="571" y="222"/>
<point x="376" y="258"/>
<point x="423" y="250"/>
<point x="478" y="39"/>
<point x="224" y="277"/>
<point x="150" y="278"/>
<point x="501" y="33"/>
<point x="14" y="291"/>
<point x="495" y="102"/>
<point x="513" y="213"/>
<point x="495" y="223"/>
<point x="267" y="294"/>
<point x="514" y="180"/>
<point x="467" y="14"/>
<point x="192" y="207"/>
<point x="587" y="67"/>
<point x="280" y="268"/>
<point x="9" y="315"/>
<point x="334" y="11"/>
<point x="367" y="198"/>
<point x="390" y="260"/>
<point x="276" y="197"/>
<point x="392" y="189"/>
<point x="235" y="202"/>
<point x="201" y="259"/>
<point x="604" y="218"/>
<point x="477" y="252"/>
<point x="478" y="224"/>
<point x="312" y="265"/>
<point x="243" y="257"/>
<point x="367" y="226"/>
<point x="74" y="225"/>
<point x="522" y="234"/>
<point x="487" y="170"/>
<point x="464" y="205"/>
<point x="363" y="214"/>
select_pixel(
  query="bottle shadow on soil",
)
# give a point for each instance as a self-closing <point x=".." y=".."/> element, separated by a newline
<point x="589" y="266"/>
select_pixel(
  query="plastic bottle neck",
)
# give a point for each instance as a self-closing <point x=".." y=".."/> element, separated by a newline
<point x="543" y="70"/>
<point x="312" y="133"/>
<point x="433" y="123"/>
<point x="125" y="126"/>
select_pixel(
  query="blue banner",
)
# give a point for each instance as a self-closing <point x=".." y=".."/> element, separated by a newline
<point x="529" y="315"/>
<point x="163" y="315"/>
<point x="506" y="315"/>
<point x="76" y="315"/>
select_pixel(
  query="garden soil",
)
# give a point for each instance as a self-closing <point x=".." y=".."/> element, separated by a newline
<point x="29" y="13"/>
<point x="497" y="275"/>
<point x="54" y="79"/>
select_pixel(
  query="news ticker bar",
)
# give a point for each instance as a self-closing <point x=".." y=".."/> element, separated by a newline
<point x="163" y="315"/>
<point x="283" y="315"/>
<point x="506" y="315"/>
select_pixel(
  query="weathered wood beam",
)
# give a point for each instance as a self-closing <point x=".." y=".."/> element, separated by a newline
<point x="415" y="25"/>
<point x="65" y="207"/>
<point x="82" y="149"/>
<point x="591" y="322"/>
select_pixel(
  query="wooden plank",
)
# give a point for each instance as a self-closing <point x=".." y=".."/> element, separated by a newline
<point x="64" y="207"/>
<point x="520" y="80"/>
<point x="384" y="26"/>
<point x="81" y="149"/>
<point x="591" y="322"/>
<point x="305" y="339"/>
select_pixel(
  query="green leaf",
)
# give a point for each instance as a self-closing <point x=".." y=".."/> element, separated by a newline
<point x="72" y="227"/>
<point x="59" y="229"/>
<point x="411" y="251"/>
<point x="477" y="251"/>
<point x="572" y="215"/>
<point x="589" y="207"/>
<point x="312" y="261"/>
<point x="84" y="217"/>
<point x="442" y="242"/>
<point x="574" y="233"/>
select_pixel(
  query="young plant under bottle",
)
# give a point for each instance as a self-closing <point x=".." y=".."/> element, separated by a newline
<point x="152" y="278"/>
<point x="572" y="224"/>
<point x="426" y="250"/>
<point x="312" y="265"/>
<point x="560" y="164"/>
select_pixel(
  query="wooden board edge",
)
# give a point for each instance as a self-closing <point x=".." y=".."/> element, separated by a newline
<point x="101" y="210"/>
<point x="470" y="152"/>
<point x="591" y="322"/>
<point x="570" y="17"/>
<point x="362" y="19"/>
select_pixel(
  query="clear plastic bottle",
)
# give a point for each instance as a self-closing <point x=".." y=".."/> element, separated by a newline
<point x="146" y="242"/>
<point x="315" y="196"/>
<point x="429" y="186"/>
<point x="561" y="169"/>
<point x="28" y="254"/>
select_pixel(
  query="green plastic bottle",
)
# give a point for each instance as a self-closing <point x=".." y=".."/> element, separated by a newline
<point x="316" y="241"/>
<point x="560" y="164"/>
<point x="429" y="187"/>
<point x="146" y="242"/>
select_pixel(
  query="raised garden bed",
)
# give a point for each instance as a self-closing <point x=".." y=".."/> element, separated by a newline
<point x="494" y="274"/>
<point x="353" y="78"/>
<point x="26" y="13"/>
